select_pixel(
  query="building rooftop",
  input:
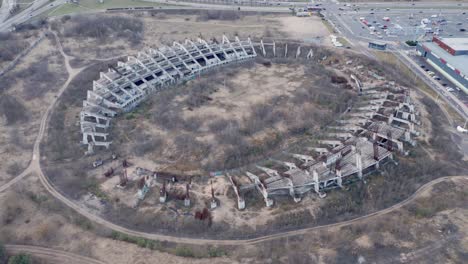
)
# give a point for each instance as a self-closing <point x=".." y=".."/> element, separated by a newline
<point x="458" y="44"/>
<point x="459" y="62"/>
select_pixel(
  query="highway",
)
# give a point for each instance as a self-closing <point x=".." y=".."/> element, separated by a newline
<point x="37" y="8"/>
<point x="4" y="11"/>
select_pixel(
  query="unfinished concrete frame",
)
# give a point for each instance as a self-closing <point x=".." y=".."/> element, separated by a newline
<point x="357" y="144"/>
<point x="122" y="88"/>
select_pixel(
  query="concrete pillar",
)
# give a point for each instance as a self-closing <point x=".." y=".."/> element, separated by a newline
<point x="187" y="202"/>
<point x="240" y="203"/>
<point x="390" y="119"/>
<point x="359" y="164"/>
<point x="339" y="180"/>
<point x="263" y="48"/>
<point x="269" y="202"/>
<point x="163" y="198"/>
<point x="316" y="181"/>
<point x="407" y="135"/>
<point x="213" y="204"/>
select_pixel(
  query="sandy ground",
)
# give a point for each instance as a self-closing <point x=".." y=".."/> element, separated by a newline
<point x="235" y="102"/>
<point x="308" y="29"/>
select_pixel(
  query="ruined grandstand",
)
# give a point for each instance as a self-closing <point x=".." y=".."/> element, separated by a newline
<point x="127" y="85"/>
<point x="366" y="136"/>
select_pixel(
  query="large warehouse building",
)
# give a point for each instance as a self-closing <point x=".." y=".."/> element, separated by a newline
<point x="449" y="56"/>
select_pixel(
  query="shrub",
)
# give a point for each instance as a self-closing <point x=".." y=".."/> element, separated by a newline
<point x="219" y="15"/>
<point x="141" y="242"/>
<point x="184" y="252"/>
<point x="10" y="46"/>
<point x="20" y="259"/>
<point x="105" y="28"/>
<point x="411" y="43"/>
<point x="215" y="252"/>
<point x="14" y="169"/>
<point x="2" y="253"/>
<point x="13" y="110"/>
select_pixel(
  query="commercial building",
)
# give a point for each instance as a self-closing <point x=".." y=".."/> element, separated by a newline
<point x="378" y="45"/>
<point x="449" y="56"/>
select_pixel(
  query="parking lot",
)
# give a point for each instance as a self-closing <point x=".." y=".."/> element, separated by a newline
<point x="402" y="25"/>
<point x="449" y="87"/>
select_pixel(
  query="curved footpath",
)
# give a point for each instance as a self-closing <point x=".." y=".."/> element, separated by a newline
<point x="201" y="241"/>
<point x="35" y="167"/>
<point x="52" y="255"/>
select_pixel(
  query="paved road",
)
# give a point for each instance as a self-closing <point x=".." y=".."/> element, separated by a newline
<point x="39" y="7"/>
<point x="4" y="11"/>
<point x="51" y="255"/>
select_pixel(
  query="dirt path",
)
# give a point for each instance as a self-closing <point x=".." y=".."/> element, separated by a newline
<point x="98" y="220"/>
<point x="51" y="255"/>
<point x="34" y="165"/>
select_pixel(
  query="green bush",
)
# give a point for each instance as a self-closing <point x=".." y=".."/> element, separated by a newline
<point x="215" y="252"/>
<point x="421" y="212"/>
<point x="20" y="259"/>
<point x="141" y="242"/>
<point x="411" y="43"/>
<point x="184" y="252"/>
<point x="2" y="253"/>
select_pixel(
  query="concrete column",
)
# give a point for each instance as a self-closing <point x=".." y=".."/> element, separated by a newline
<point x="263" y="48"/>
<point x="316" y="181"/>
<point x="339" y="180"/>
<point x="162" y="198"/>
<point x="240" y="203"/>
<point x="359" y="164"/>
